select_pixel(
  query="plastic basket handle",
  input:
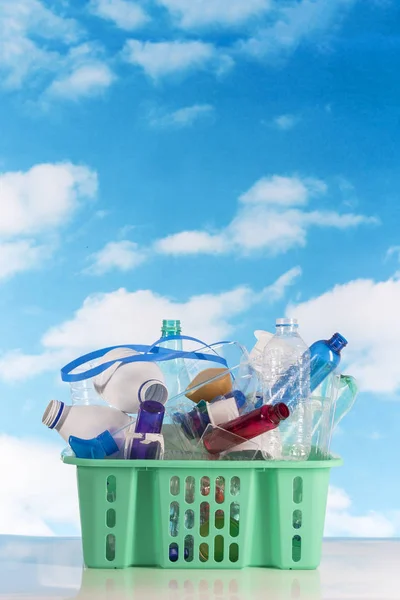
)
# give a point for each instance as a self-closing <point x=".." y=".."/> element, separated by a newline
<point x="152" y="353"/>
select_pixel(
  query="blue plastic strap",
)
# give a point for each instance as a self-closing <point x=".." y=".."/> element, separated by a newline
<point x="155" y="347"/>
<point x="153" y="353"/>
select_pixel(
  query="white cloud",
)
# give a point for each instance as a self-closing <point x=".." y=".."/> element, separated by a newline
<point x="295" y="23"/>
<point x="88" y="80"/>
<point x="200" y="13"/>
<point x="22" y="24"/>
<point x="122" y="317"/>
<point x="124" y="14"/>
<point x="191" y="242"/>
<point x="340" y="522"/>
<point x="62" y="68"/>
<point x="285" y="122"/>
<point x="20" y="256"/>
<point x="183" y="117"/>
<point x="82" y="72"/>
<point x="265" y="220"/>
<point x="277" y="290"/>
<point x="161" y="59"/>
<point x="393" y="251"/>
<point x="43" y="197"/>
<point x="36" y="203"/>
<point x="285" y="191"/>
<point x="123" y="255"/>
<point x="362" y="310"/>
<point x="41" y="491"/>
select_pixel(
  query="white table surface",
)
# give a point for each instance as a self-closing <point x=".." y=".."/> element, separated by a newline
<point x="51" y="568"/>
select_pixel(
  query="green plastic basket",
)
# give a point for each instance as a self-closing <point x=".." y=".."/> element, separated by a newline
<point x="260" y="513"/>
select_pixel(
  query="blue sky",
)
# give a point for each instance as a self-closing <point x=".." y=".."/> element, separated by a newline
<point x="221" y="162"/>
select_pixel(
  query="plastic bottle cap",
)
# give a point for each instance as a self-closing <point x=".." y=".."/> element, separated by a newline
<point x="286" y="321"/>
<point x="150" y="417"/>
<point x="108" y="443"/>
<point x="99" y="447"/>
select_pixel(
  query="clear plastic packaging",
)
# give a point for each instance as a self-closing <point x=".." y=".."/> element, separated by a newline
<point x="192" y="411"/>
<point x="251" y="425"/>
<point x="232" y="442"/>
<point x="286" y="378"/>
<point x="83" y="392"/>
<point x="331" y="401"/>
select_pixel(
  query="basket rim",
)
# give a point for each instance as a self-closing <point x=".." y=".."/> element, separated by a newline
<point x="195" y="465"/>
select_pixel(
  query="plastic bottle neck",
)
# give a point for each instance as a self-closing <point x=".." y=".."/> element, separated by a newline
<point x="55" y="414"/>
<point x="284" y="330"/>
<point x="275" y="413"/>
<point x="170" y="327"/>
<point x="337" y="342"/>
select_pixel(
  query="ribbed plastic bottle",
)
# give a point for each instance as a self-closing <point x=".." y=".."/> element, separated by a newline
<point x="286" y="362"/>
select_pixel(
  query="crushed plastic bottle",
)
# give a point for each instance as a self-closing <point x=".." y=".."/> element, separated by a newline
<point x="286" y="378"/>
<point x="339" y="394"/>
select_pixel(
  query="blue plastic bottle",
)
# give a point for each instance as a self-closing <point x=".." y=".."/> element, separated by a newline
<point x="324" y="358"/>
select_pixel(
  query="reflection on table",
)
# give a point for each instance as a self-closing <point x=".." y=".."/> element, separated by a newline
<point x="51" y="569"/>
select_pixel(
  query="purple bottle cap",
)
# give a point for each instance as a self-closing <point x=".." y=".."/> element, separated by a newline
<point x="150" y="417"/>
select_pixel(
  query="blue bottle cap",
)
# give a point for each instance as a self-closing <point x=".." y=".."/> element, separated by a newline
<point x="99" y="447"/>
<point x="108" y="443"/>
<point x="150" y="417"/>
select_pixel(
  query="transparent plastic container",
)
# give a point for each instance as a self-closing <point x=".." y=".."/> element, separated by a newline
<point x="207" y="382"/>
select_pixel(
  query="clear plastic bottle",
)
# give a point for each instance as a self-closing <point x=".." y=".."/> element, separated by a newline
<point x="287" y="360"/>
<point x="83" y="392"/>
<point x="174" y="370"/>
